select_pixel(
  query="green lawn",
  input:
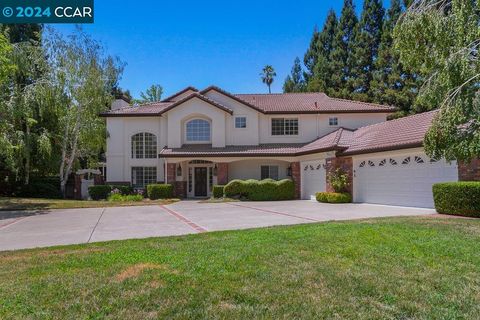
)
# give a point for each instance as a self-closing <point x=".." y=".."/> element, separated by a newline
<point x="395" y="268"/>
<point x="38" y="204"/>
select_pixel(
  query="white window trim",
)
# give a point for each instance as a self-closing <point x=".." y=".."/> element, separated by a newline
<point x="333" y="125"/>
<point x="283" y="135"/>
<point x="235" y="122"/>
<point x="269" y="168"/>
<point x="156" y="145"/>
<point x="197" y="142"/>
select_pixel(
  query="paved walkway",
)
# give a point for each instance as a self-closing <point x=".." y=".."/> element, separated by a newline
<point x="19" y="230"/>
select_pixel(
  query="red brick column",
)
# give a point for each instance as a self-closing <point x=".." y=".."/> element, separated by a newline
<point x="346" y="164"/>
<point x="469" y="171"/>
<point x="296" y="177"/>
<point x="222" y="173"/>
<point x="171" y="173"/>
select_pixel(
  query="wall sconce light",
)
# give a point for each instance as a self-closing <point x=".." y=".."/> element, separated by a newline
<point x="179" y="170"/>
<point x="215" y="170"/>
<point x="289" y="171"/>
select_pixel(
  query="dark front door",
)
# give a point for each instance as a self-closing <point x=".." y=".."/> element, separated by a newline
<point x="200" y="182"/>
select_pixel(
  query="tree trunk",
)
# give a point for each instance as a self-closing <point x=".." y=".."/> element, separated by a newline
<point x="269" y="90"/>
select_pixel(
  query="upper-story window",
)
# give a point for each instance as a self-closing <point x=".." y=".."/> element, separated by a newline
<point x="240" y="122"/>
<point x="333" y="121"/>
<point x="144" y="146"/>
<point x="284" y="126"/>
<point x="198" y="130"/>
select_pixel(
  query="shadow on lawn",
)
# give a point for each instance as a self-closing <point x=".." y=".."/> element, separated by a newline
<point x="12" y="209"/>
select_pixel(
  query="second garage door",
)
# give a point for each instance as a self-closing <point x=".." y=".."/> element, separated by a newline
<point x="400" y="180"/>
<point x="313" y="178"/>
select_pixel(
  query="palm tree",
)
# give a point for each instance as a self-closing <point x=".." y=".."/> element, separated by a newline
<point x="267" y="75"/>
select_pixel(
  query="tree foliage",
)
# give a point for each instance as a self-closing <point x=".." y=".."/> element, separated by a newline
<point x="441" y="39"/>
<point x="295" y="81"/>
<point x="152" y="94"/>
<point x="267" y="75"/>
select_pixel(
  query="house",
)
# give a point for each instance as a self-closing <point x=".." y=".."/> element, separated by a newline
<point x="196" y="139"/>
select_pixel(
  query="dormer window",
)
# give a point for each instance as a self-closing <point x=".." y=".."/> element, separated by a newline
<point x="198" y="130"/>
<point x="333" y="121"/>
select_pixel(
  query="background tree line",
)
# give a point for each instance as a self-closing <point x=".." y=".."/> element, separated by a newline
<point x="353" y="58"/>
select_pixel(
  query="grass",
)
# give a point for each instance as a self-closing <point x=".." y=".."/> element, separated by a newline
<point x="10" y="203"/>
<point x="393" y="268"/>
<point x="219" y="200"/>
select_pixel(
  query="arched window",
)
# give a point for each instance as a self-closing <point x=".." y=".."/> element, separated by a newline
<point x="144" y="146"/>
<point x="198" y="130"/>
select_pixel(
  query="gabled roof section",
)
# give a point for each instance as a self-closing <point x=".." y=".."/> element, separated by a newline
<point x="144" y="110"/>
<point x="172" y="97"/>
<point x="403" y="133"/>
<point x="201" y="97"/>
<point x="232" y="96"/>
<point x="309" y="102"/>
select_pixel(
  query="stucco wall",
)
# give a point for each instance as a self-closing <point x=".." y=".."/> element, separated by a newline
<point x="250" y="169"/>
<point x="119" y="153"/>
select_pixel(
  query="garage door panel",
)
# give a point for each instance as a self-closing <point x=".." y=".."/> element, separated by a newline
<point x="313" y="178"/>
<point x="402" y="180"/>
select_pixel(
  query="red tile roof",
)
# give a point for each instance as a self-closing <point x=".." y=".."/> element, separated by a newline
<point x="401" y="133"/>
<point x="277" y="103"/>
<point x="314" y="102"/>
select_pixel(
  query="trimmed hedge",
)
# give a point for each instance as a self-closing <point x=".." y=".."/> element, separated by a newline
<point x="40" y="190"/>
<point x="99" y="192"/>
<point x="264" y="190"/>
<point x="124" y="189"/>
<point x="125" y="198"/>
<point x="333" y="197"/>
<point x="217" y="191"/>
<point x="159" y="191"/>
<point x="457" y="198"/>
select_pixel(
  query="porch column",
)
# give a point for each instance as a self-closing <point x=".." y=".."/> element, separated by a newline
<point x="296" y="177"/>
<point x="179" y="187"/>
<point x="222" y="173"/>
<point x="469" y="171"/>
<point x="346" y="164"/>
<point x="170" y="174"/>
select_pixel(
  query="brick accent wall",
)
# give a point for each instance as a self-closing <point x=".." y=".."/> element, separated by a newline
<point x="171" y="173"/>
<point x="469" y="171"/>
<point x="222" y="173"/>
<point x="297" y="178"/>
<point x="180" y="189"/>
<point x="346" y="164"/>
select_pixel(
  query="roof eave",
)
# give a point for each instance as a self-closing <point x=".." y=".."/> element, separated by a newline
<point x="416" y="144"/>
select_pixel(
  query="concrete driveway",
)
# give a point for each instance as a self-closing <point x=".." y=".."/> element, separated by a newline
<point x="20" y="229"/>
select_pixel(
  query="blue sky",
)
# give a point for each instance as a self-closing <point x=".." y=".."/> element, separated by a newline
<point x="226" y="43"/>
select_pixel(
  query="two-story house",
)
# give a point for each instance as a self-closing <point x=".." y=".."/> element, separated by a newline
<point x="195" y="139"/>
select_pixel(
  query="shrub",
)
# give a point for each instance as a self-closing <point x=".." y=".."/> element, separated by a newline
<point x="263" y="190"/>
<point x="124" y="189"/>
<point x="235" y="188"/>
<point x="40" y="190"/>
<point x="125" y="198"/>
<point x="159" y="191"/>
<point x="333" y="197"/>
<point x="338" y="179"/>
<point x="217" y="191"/>
<point x="457" y="198"/>
<point x="99" y="192"/>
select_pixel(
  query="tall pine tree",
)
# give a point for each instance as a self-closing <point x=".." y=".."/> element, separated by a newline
<point x="310" y="58"/>
<point x="295" y="81"/>
<point x="392" y="84"/>
<point x="366" y="45"/>
<point x="340" y="62"/>
<point x="320" y="80"/>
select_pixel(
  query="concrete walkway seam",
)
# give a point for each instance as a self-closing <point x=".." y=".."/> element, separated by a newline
<point x="274" y="212"/>
<point x="185" y="220"/>
<point x="96" y="224"/>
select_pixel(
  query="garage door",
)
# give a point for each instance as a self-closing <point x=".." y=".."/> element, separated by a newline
<point x="401" y="180"/>
<point x="313" y="178"/>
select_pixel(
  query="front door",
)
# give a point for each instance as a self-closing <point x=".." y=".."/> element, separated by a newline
<point x="200" y="182"/>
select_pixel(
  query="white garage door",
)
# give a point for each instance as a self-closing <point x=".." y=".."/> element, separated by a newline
<point x="313" y="178"/>
<point x="400" y="180"/>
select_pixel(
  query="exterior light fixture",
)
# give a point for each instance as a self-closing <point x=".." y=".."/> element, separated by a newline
<point x="179" y="170"/>
<point x="289" y="171"/>
<point x="215" y="170"/>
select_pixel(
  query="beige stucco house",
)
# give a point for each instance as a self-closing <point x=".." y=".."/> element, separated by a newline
<point x="195" y="139"/>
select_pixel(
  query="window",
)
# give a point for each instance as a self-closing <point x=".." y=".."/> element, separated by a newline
<point x="198" y="130"/>
<point x="284" y="127"/>
<point x="269" y="172"/>
<point x="333" y="121"/>
<point x="143" y="176"/>
<point x="240" y="122"/>
<point x="144" y="146"/>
